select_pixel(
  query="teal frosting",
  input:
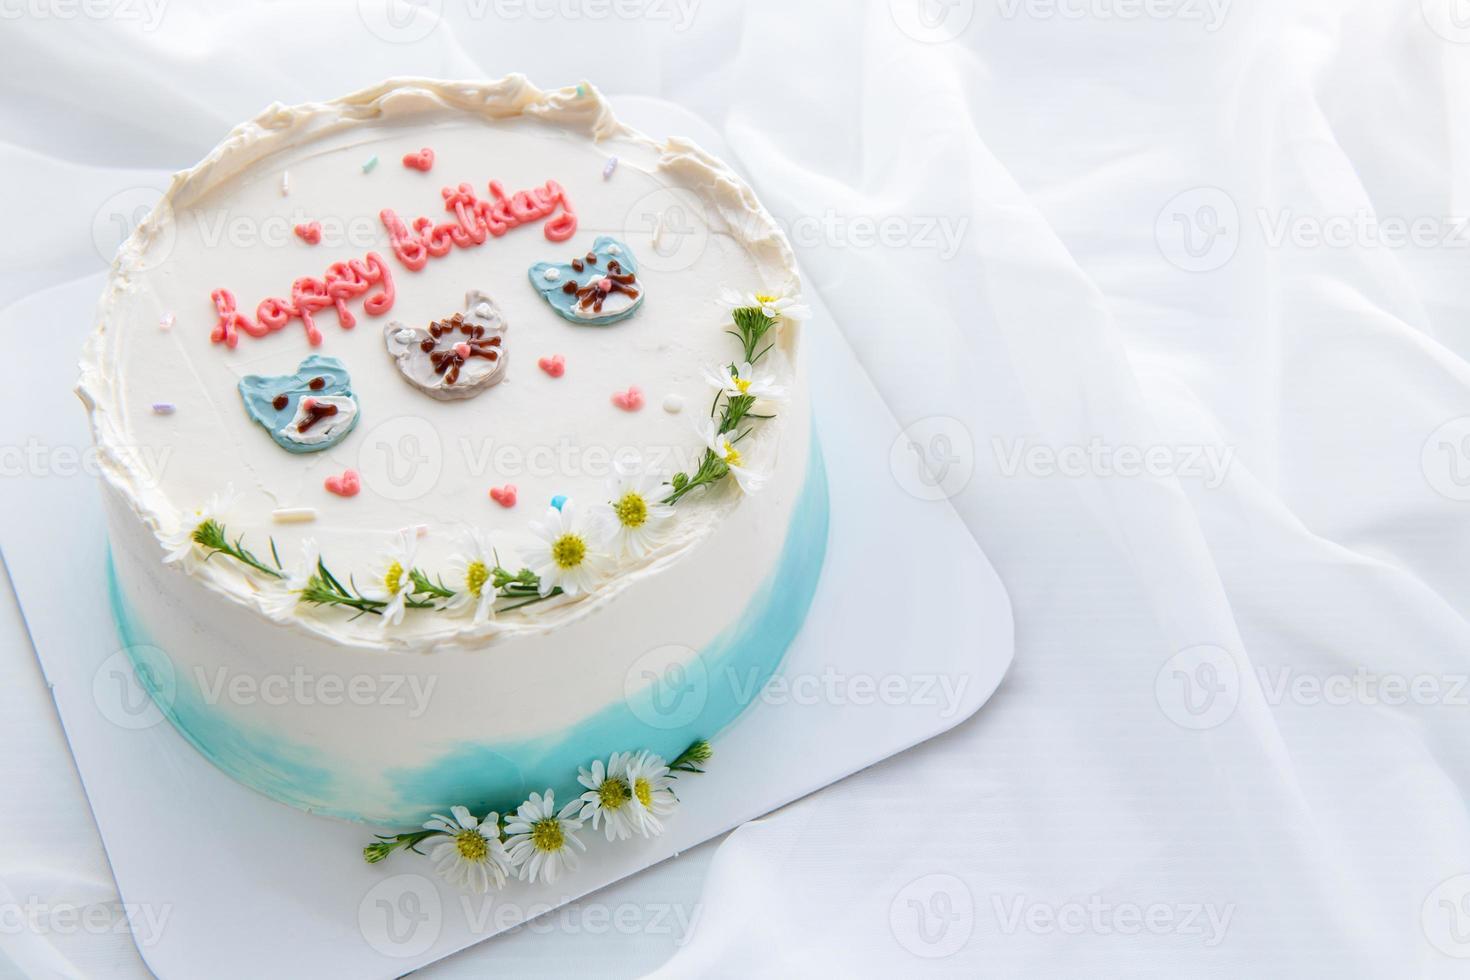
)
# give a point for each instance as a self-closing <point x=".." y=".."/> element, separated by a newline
<point x="698" y="699"/>
<point x="259" y="392"/>
<point x="606" y="249"/>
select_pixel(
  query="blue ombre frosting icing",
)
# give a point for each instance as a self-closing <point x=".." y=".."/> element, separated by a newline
<point x="698" y="701"/>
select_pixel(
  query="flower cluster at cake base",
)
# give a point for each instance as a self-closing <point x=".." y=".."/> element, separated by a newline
<point x="575" y="549"/>
<point x="631" y="795"/>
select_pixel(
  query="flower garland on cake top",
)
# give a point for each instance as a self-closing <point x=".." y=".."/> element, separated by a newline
<point x="629" y="796"/>
<point x="576" y="549"/>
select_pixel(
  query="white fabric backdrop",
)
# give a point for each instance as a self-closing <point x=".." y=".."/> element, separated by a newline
<point x="1111" y="230"/>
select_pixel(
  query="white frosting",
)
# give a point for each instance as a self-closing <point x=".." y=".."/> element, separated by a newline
<point x="327" y="428"/>
<point x="226" y="223"/>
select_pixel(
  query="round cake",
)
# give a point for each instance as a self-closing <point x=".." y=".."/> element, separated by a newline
<point x="454" y="436"/>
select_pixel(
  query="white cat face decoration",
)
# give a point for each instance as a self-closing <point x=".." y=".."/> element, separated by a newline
<point x="456" y="357"/>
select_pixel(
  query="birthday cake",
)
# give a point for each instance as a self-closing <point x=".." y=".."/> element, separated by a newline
<point x="458" y="464"/>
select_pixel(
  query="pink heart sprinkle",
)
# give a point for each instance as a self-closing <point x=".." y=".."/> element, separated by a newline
<point x="504" y="496"/>
<point x="422" y="160"/>
<point x="346" y="485"/>
<point x="462" y="349"/>
<point x="311" y="232"/>
<point x="308" y="403"/>
<point x="555" y="365"/>
<point x="630" y="400"/>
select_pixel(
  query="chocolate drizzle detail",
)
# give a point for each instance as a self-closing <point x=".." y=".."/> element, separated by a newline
<point x="315" y="412"/>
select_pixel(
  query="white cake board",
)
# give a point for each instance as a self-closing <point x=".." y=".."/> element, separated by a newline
<point x="253" y="888"/>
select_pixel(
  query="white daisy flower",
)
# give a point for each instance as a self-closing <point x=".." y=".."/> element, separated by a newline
<point x="721" y="445"/>
<point x="633" y="517"/>
<point x="391" y="582"/>
<point x="470" y="575"/>
<point x="743" y="379"/>
<point x="540" y="839"/>
<point x="564" y="555"/>
<point x="181" y="544"/>
<point x="282" y="594"/>
<point x="473" y="856"/>
<point x="777" y="305"/>
<point x="609" y="798"/>
<point x="652" y="791"/>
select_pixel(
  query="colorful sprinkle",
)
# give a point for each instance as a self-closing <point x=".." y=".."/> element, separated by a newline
<point x="422" y="160"/>
<point x="609" y="167"/>
<point x="673" y="404"/>
<point x="372" y="162"/>
<point x="166" y="322"/>
<point x="504" y="496"/>
<point x="630" y="400"/>
<point x="285" y="183"/>
<point x="555" y="365"/>
<point x="347" y="484"/>
<point x="294" y="515"/>
<point x="559" y="501"/>
<point x="163" y="408"/>
<point x="581" y="90"/>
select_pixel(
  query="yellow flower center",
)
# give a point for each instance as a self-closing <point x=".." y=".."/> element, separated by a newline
<point x="742" y="384"/>
<point x="547" y="835"/>
<point x="613" y="793"/>
<point x="471" y="845"/>
<point x="731" y="455"/>
<point x="393" y="578"/>
<point x="766" y="298"/>
<point x="475" y="577"/>
<point x="643" y="791"/>
<point x="632" y="510"/>
<point x="568" y="551"/>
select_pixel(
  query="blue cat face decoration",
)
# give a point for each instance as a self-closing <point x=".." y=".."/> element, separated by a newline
<point x="305" y="412"/>
<point x="599" y="288"/>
